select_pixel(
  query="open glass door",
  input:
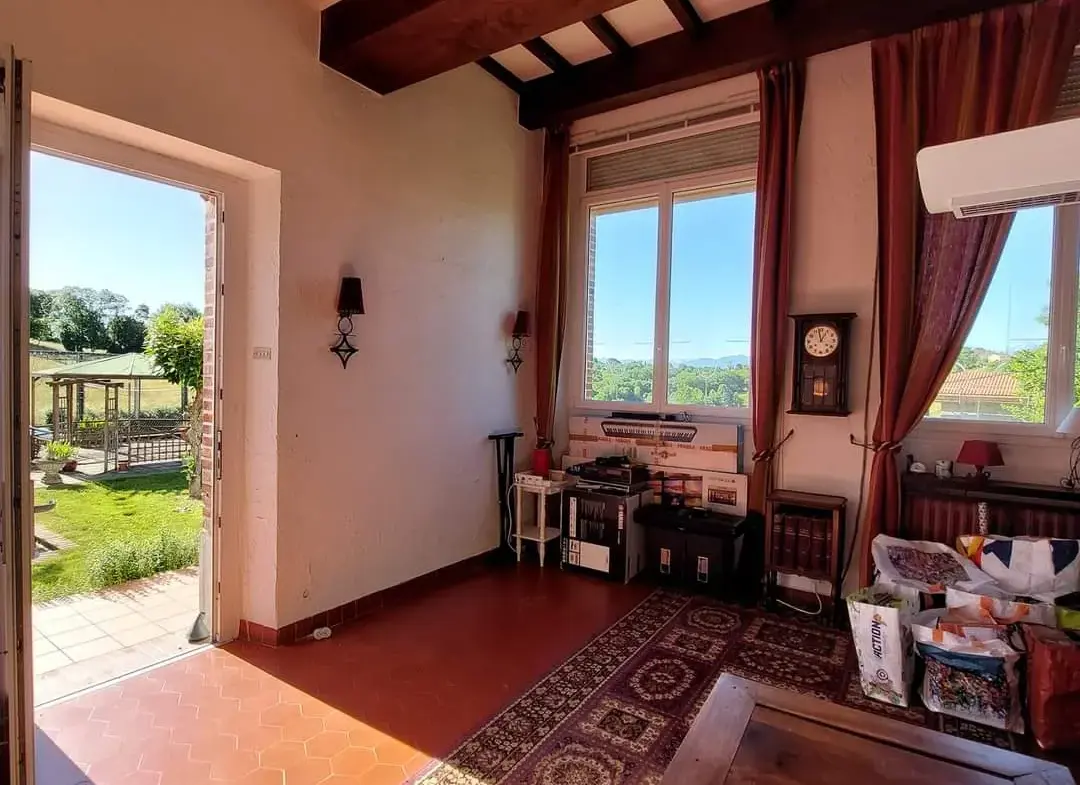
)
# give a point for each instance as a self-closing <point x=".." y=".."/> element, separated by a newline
<point x="16" y="496"/>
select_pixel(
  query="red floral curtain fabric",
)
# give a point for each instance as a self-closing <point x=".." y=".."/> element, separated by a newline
<point x="992" y="72"/>
<point x="551" y="281"/>
<point x="781" y="88"/>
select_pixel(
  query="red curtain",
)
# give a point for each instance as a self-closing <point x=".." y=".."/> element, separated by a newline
<point x="782" y="88"/>
<point x="997" y="71"/>
<point x="551" y="281"/>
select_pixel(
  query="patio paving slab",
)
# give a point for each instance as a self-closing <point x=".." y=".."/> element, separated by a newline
<point x="88" y="639"/>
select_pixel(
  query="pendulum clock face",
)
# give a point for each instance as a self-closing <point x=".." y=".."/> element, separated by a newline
<point x="820" y="375"/>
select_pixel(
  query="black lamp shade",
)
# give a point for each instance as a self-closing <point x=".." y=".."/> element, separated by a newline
<point x="521" y="325"/>
<point x="351" y="298"/>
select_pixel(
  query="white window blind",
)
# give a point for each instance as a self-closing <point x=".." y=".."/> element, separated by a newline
<point x="722" y="149"/>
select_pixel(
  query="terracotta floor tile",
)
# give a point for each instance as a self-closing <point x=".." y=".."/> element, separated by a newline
<point x="383" y="775"/>
<point x="394" y="753"/>
<point x="263" y="777"/>
<point x="302" y="729"/>
<point x="353" y="761"/>
<point x="327" y="744"/>
<point x="282" y="754"/>
<point x="309" y="771"/>
<point x="383" y="686"/>
<point x="281" y="714"/>
<point x="233" y="765"/>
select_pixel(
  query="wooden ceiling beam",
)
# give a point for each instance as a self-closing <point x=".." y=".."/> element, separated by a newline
<point x="685" y="14"/>
<point x="390" y="44"/>
<point x="729" y="46"/>
<point x="501" y="72"/>
<point x="607" y="35"/>
<point x="547" y="54"/>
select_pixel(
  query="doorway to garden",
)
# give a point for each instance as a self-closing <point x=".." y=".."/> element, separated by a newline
<point x="124" y="282"/>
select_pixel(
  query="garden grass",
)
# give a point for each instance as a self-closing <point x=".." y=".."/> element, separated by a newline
<point x="99" y="513"/>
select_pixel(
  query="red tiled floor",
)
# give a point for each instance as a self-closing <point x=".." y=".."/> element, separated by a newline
<point x="370" y="706"/>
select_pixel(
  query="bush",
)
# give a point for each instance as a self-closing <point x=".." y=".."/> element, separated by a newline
<point x="190" y="467"/>
<point x="127" y="560"/>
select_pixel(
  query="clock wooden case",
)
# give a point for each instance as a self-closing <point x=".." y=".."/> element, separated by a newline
<point x="820" y="370"/>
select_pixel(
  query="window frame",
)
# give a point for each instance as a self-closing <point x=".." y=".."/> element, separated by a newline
<point x="1061" y="347"/>
<point x="727" y="181"/>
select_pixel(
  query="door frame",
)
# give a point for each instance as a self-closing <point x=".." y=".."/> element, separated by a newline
<point x="16" y="491"/>
<point x="86" y="147"/>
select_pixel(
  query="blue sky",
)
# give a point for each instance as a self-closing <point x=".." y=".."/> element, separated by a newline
<point x="101" y="229"/>
<point x="712" y="260"/>
<point x="1020" y="291"/>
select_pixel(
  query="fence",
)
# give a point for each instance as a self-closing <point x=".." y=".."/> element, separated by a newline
<point x="135" y="440"/>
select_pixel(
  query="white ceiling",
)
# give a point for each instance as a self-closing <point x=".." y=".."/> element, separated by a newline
<point x="637" y="22"/>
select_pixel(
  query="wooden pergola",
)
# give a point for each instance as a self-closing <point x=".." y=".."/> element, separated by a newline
<point x="110" y="372"/>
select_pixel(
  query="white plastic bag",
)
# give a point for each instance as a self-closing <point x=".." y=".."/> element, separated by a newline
<point x="974" y="680"/>
<point x="925" y="566"/>
<point x="879" y="628"/>
<point x="1000" y="610"/>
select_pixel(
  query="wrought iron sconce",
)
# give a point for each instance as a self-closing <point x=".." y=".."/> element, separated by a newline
<point x="517" y="339"/>
<point x="350" y="304"/>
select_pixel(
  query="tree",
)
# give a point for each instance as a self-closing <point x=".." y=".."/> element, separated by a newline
<point x="110" y="303"/>
<point x="185" y="311"/>
<point x="78" y="324"/>
<point x="142" y="313"/>
<point x="174" y="339"/>
<point x="126" y="334"/>
<point x="41" y="306"/>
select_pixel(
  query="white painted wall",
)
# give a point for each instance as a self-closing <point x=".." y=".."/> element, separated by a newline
<point x="833" y="267"/>
<point x="383" y="471"/>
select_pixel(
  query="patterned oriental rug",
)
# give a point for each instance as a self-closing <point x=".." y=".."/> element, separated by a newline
<point x="616" y="712"/>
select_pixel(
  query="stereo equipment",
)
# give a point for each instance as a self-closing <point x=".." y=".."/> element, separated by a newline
<point x="600" y="534"/>
<point x="617" y="474"/>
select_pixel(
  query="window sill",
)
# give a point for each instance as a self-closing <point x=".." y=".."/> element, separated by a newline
<point x="724" y="417"/>
<point x="1003" y="433"/>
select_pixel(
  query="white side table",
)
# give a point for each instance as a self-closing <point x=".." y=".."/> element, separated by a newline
<point x="539" y="533"/>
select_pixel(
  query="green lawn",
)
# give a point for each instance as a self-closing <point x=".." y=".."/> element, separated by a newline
<point x="98" y="514"/>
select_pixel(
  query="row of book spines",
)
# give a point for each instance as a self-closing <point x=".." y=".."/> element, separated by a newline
<point x="802" y="542"/>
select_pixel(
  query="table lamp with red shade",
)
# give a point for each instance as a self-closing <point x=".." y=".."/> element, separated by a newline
<point x="980" y="454"/>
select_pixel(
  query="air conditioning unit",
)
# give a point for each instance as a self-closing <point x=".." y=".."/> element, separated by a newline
<point x="1004" y="172"/>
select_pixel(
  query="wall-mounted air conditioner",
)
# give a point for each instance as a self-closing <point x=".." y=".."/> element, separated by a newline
<point x="1003" y="172"/>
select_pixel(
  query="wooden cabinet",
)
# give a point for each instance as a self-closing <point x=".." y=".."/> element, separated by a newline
<point x="804" y="535"/>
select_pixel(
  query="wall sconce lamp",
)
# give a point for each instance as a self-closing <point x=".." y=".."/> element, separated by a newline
<point x="517" y="339"/>
<point x="350" y="304"/>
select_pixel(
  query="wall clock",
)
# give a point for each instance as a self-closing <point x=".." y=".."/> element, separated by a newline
<point x="820" y="370"/>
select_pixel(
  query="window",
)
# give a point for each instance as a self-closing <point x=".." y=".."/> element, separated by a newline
<point x="668" y="269"/>
<point x="1018" y="363"/>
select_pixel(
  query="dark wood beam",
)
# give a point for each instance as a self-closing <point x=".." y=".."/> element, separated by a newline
<point x="390" y="44"/>
<point x="732" y="45"/>
<point x="501" y="72"/>
<point x="607" y="34"/>
<point x="781" y="8"/>
<point x="685" y="13"/>
<point x="547" y="54"/>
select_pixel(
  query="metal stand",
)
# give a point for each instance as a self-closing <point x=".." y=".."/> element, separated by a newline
<point x="504" y="466"/>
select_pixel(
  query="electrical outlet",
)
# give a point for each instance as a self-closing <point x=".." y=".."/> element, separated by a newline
<point x="262" y="353"/>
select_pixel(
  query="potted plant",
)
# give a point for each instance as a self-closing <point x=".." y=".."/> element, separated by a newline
<point x="57" y="454"/>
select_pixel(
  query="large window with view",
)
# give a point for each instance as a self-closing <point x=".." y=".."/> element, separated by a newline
<point x="668" y="318"/>
<point x="1018" y="364"/>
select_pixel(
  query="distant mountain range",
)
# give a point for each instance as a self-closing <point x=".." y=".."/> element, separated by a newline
<point x="716" y="362"/>
<point x="730" y="361"/>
